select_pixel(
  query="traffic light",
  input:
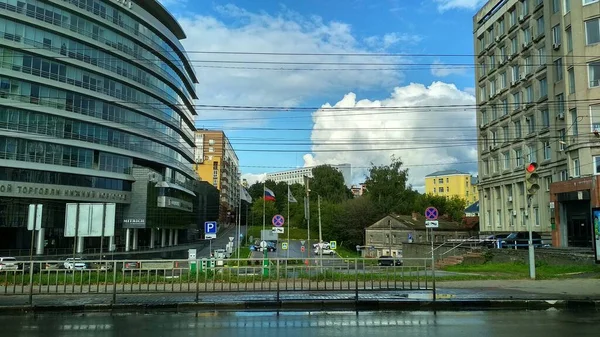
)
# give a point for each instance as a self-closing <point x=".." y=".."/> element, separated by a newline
<point x="531" y="179"/>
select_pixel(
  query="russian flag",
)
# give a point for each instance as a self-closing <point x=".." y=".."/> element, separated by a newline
<point x="269" y="195"/>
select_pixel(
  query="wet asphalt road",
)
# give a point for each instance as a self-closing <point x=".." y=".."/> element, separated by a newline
<point x="290" y="324"/>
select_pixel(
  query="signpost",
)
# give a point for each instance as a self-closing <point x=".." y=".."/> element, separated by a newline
<point x="431" y="214"/>
<point x="210" y="233"/>
<point x="333" y="245"/>
<point x="284" y="245"/>
<point x="210" y="230"/>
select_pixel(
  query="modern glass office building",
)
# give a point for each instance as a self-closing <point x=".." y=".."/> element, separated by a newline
<point x="95" y="106"/>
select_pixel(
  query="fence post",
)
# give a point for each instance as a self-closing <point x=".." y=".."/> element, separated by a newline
<point x="278" y="279"/>
<point x="114" y="294"/>
<point x="31" y="282"/>
<point x="356" y="279"/>
<point x="198" y="266"/>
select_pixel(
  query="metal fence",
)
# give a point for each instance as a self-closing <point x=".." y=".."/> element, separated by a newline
<point x="275" y="276"/>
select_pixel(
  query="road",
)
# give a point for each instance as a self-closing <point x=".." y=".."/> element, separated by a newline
<point x="297" y="324"/>
<point x="295" y="252"/>
<point x="220" y="242"/>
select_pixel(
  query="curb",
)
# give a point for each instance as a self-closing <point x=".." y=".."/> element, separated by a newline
<point x="315" y="305"/>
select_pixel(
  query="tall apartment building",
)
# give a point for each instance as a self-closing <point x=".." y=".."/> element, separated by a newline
<point x="218" y="164"/>
<point x="538" y="100"/>
<point x="452" y="183"/>
<point x="296" y="176"/>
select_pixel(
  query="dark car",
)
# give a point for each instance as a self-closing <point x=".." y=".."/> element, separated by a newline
<point x="520" y="240"/>
<point x="493" y="240"/>
<point x="388" y="261"/>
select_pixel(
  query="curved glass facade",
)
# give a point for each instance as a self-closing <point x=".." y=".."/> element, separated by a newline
<point x="90" y="84"/>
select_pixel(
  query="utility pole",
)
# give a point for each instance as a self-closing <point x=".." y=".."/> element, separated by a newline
<point x="320" y="233"/>
<point x="390" y="225"/>
<point x="306" y="185"/>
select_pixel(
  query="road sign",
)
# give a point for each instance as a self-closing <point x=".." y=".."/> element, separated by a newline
<point x="332" y="245"/>
<point x="278" y="230"/>
<point x="284" y="245"/>
<point x="278" y="220"/>
<point x="231" y="238"/>
<point x="210" y="230"/>
<point x="263" y="244"/>
<point x="431" y="224"/>
<point x="302" y="249"/>
<point x="431" y="213"/>
<point x="302" y="242"/>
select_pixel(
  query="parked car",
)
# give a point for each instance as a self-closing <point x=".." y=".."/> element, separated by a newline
<point x="8" y="263"/>
<point x="493" y="240"/>
<point x="326" y="251"/>
<point x="74" y="264"/>
<point x="386" y="260"/>
<point x="521" y="240"/>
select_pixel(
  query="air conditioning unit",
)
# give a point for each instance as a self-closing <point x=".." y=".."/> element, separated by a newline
<point x="561" y="115"/>
<point x="497" y="38"/>
<point x="521" y="18"/>
<point x="524" y="45"/>
<point x="555" y="46"/>
<point x="510" y="198"/>
<point x="514" y="212"/>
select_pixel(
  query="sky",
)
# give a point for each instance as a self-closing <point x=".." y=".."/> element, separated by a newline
<point x="337" y="81"/>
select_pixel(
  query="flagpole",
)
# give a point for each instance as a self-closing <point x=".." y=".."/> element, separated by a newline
<point x="264" y="207"/>
<point x="288" y="221"/>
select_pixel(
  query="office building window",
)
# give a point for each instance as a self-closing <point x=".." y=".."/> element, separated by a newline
<point x="562" y="139"/>
<point x="556" y="38"/>
<point x="595" y="115"/>
<point x="519" y="157"/>
<point x="567" y="5"/>
<point x="506" y="157"/>
<point x="569" y="34"/>
<point x="597" y="165"/>
<point x="555" y="6"/>
<point x="548" y="182"/>
<point x="543" y="87"/>
<point x="518" y="131"/>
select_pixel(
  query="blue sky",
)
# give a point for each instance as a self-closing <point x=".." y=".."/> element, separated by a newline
<point x="415" y="28"/>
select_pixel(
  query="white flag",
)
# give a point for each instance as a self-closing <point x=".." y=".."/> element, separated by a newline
<point x="244" y="195"/>
<point x="290" y="196"/>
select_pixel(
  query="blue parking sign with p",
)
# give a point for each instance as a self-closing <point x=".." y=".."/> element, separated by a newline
<point x="210" y="227"/>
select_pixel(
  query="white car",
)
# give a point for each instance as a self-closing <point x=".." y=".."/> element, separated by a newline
<point x="326" y="251"/>
<point x="8" y="263"/>
<point x="74" y="264"/>
<point x="325" y="245"/>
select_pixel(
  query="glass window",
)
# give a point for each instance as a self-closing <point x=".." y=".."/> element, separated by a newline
<point x="518" y="131"/>
<point x="543" y="87"/>
<point x="571" y="75"/>
<point x="597" y="165"/>
<point x="595" y="115"/>
<point x="569" y="33"/>
<point x="592" y="31"/>
<point x="556" y="38"/>
<point x="545" y="118"/>
<point x="558" y="70"/>
<point x="567" y="5"/>
<point x="547" y="151"/>
<point x="555" y="6"/>
<point x="576" y="168"/>
<point x="519" y="157"/>
<point x="574" y="122"/>
<point x="594" y="74"/>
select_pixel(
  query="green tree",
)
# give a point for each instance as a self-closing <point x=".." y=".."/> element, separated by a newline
<point x="387" y="187"/>
<point x="257" y="213"/>
<point x="454" y="207"/>
<point x="354" y="216"/>
<point x="329" y="184"/>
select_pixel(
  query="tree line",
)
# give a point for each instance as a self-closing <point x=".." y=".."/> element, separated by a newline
<point x="344" y="217"/>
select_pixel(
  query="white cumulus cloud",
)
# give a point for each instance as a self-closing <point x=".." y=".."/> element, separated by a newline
<point x="434" y="130"/>
<point x="236" y="29"/>
<point x="252" y="178"/>
<point x="444" y="5"/>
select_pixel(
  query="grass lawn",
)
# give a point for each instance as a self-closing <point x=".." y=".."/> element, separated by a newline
<point x="521" y="270"/>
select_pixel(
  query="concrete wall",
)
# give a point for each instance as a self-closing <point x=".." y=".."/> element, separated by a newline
<point x="543" y="255"/>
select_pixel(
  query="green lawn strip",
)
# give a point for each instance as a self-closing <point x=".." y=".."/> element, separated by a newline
<point x="521" y="270"/>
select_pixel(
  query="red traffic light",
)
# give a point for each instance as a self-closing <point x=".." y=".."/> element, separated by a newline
<point x="531" y="167"/>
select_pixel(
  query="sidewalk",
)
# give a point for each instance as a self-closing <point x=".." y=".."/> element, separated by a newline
<point x="454" y="295"/>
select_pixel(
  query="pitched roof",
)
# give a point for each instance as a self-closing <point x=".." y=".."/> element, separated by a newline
<point x="474" y="208"/>
<point x="406" y="222"/>
<point x="445" y="173"/>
